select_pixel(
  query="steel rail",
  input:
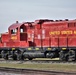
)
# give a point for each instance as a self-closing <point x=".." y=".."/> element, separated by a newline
<point x="23" y="71"/>
<point x="37" y="61"/>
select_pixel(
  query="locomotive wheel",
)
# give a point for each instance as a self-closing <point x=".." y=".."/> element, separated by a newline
<point x="20" y="57"/>
<point x="30" y="58"/>
<point x="0" y="55"/>
<point x="14" y="57"/>
<point x="71" y="56"/>
<point x="63" y="56"/>
<point x="6" y="56"/>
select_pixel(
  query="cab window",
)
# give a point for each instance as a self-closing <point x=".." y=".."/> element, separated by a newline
<point x="14" y="31"/>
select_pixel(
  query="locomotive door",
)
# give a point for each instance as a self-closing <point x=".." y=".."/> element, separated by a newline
<point x="23" y="34"/>
<point x="31" y="37"/>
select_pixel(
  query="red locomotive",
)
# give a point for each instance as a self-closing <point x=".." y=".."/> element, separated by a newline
<point x="40" y="39"/>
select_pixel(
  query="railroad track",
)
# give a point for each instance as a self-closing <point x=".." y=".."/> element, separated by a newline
<point x="37" y="61"/>
<point x="32" y="71"/>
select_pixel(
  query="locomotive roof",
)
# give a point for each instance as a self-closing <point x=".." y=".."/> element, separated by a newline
<point x="15" y="25"/>
<point x="61" y="21"/>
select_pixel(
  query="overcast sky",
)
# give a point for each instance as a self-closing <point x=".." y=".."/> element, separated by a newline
<point x="30" y="10"/>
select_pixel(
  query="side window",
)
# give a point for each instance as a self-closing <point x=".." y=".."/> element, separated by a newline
<point x="21" y="30"/>
<point x="14" y="31"/>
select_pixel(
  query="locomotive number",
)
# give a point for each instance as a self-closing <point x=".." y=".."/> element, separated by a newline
<point x="14" y="37"/>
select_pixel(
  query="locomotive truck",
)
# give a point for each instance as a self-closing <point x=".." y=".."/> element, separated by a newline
<point x="40" y="39"/>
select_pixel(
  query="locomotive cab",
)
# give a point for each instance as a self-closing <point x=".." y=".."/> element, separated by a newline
<point x="19" y="30"/>
<point x="14" y="42"/>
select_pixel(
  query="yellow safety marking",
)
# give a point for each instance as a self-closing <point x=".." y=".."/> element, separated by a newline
<point x="37" y="48"/>
<point x="13" y="48"/>
<point x="29" y="49"/>
<point x="49" y="48"/>
<point x="63" y="48"/>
